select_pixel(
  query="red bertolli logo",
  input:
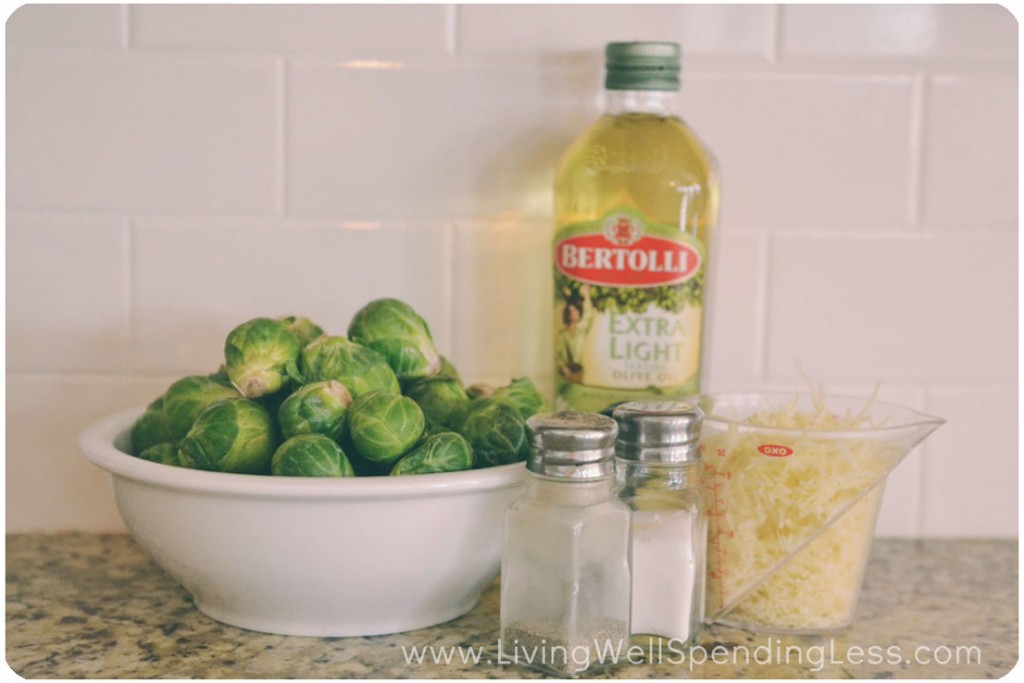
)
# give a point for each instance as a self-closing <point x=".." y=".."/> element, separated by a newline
<point x="623" y="256"/>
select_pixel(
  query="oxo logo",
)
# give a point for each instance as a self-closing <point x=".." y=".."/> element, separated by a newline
<point x="773" y="451"/>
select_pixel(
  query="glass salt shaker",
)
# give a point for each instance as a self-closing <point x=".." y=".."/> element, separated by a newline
<point x="565" y="567"/>
<point x="658" y="470"/>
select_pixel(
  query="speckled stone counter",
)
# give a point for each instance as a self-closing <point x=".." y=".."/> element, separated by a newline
<point x="84" y="606"/>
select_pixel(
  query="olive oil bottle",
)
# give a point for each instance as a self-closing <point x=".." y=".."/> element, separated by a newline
<point x="636" y="198"/>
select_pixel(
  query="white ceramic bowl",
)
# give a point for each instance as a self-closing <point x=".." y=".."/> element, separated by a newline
<point x="313" y="557"/>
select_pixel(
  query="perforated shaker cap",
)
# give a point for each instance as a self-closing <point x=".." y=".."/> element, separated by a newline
<point x="658" y="431"/>
<point x="572" y="445"/>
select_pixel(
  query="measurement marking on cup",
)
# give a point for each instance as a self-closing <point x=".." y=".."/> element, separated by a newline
<point x="714" y="489"/>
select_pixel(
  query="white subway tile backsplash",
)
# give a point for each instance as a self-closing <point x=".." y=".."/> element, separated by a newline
<point x="428" y="142"/>
<point x="175" y="170"/>
<point x="821" y="152"/>
<point x="559" y="30"/>
<point x="365" y="31"/>
<point x="50" y="484"/>
<point x="878" y="31"/>
<point x="503" y="301"/>
<point x="926" y="309"/>
<point x="66" y="293"/>
<point x="196" y="280"/>
<point x="971" y="164"/>
<point x="65" y="26"/>
<point x="971" y="473"/>
<point x="109" y="133"/>
<point x="734" y="309"/>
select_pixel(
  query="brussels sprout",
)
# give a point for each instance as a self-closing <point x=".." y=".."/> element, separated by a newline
<point x="444" y="452"/>
<point x="448" y="370"/>
<point x="303" y="328"/>
<point x="188" y="397"/>
<point x="360" y="369"/>
<point x="234" y="435"/>
<point x="496" y="431"/>
<point x="221" y="376"/>
<point x="431" y="430"/>
<point x="259" y="353"/>
<point x="443" y="400"/>
<point x="151" y="428"/>
<point x="398" y="333"/>
<point x="475" y="391"/>
<point x="163" y="453"/>
<point x="522" y="395"/>
<point x="317" y="408"/>
<point x="310" y="455"/>
<point x="383" y="426"/>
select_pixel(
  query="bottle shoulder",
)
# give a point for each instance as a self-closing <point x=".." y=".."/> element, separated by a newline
<point x="638" y="143"/>
<point x="672" y="130"/>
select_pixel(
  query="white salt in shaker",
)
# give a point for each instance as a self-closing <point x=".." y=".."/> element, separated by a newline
<point x="565" y="567"/>
<point x="658" y="470"/>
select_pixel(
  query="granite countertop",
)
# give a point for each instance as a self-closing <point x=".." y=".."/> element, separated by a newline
<point x="95" y="606"/>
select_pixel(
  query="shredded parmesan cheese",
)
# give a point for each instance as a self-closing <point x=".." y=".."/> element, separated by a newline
<point x="792" y="496"/>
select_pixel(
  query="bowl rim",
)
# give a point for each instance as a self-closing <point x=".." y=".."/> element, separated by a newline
<point x="97" y="443"/>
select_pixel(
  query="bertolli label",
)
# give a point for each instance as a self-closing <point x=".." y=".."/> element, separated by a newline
<point x="628" y="303"/>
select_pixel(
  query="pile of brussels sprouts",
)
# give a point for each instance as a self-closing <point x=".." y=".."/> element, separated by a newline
<point x="292" y="401"/>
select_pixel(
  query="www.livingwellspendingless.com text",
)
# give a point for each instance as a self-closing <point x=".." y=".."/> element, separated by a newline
<point x="772" y="652"/>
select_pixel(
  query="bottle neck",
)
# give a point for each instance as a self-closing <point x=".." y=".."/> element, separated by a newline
<point x="658" y="102"/>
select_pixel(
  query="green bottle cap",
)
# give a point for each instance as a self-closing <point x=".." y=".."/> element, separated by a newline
<point x="641" y="66"/>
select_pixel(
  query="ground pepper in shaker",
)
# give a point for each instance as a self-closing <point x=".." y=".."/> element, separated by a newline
<point x="565" y="578"/>
<point x="658" y="470"/>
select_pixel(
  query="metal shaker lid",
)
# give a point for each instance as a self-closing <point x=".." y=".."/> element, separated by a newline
<point x="571" y="445"/>
<point x="658" y="431"/>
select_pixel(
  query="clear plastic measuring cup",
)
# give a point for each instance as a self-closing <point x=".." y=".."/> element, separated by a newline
<point x="792" y="486"/>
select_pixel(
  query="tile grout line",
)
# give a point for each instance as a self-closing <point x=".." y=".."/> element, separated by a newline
<point x="709" y="66"/>
<point x="922" y="479"/>
<point x="914" y="510"/>
<point x="451" y="32"/>
<point x="113" y="376"/>
<point x="128" y="295"/>
<point x="828" y="233"/>
<point x="775" y="48"/>
<point x="281" y="134"/>
<point x="345" y="222"/>
<point x="761" y="311"/>
<point x="448" y="286"/>
<point x="125" y="26"/>
<point x="918" y="123"/>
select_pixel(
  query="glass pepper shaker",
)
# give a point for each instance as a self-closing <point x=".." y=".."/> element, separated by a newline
<point x="658" y="470"/>
<point x="565" y="567"/>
